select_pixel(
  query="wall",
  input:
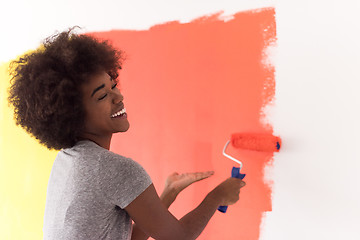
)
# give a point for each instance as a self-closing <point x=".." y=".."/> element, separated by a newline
<point x="315" y="193"/>
<point x="313" y="180"/>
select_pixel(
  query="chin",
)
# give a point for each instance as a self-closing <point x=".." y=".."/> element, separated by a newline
<point x="124" y="128"/>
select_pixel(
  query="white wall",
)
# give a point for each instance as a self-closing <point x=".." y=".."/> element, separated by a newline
<point x="316" y="191"/>
<point x="26" y="22"/>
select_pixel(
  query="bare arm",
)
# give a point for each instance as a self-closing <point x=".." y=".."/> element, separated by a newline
<point x="227" y="193"/>
<point x="174" y="184"/>
<point x="155" y="220"/>
<point x="167" y="199"/>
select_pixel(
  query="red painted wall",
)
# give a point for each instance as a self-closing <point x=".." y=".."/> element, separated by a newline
<point x="187" y="88"/>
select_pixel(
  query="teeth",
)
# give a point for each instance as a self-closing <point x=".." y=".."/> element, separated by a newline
<point x="122" y="111"/>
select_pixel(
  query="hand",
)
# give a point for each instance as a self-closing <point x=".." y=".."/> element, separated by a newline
<point x="228" y="191"/>
<point x="175" y="183"/>
<point x="179" y="182"/>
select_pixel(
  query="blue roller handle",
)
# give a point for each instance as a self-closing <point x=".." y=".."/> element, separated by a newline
<point x="235" y="173"/>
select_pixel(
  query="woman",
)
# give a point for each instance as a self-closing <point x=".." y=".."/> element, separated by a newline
<point x="65" y="94"/>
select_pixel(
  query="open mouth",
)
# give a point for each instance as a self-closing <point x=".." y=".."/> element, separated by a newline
<point x="121" y="113"/>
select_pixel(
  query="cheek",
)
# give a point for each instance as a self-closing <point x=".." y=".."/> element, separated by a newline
<point x="99" y="112"/>
<point x="91" y="116"/>
<point x="90" y="121"/>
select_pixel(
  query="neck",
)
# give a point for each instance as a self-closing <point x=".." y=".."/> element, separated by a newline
<point x="102" y="141"/>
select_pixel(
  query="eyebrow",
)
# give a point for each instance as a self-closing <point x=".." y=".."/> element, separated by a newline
<point x="97" y="89"/>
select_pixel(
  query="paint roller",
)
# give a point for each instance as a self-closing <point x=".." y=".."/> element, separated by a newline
<point x="260" y="142"/>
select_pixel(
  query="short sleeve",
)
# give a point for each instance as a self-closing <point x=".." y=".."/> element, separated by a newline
<point x="122" y="179"/>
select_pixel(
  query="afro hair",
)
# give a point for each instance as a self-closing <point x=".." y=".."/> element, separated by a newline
<point x="45" y="85"/>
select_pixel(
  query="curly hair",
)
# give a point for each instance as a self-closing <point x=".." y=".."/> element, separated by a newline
<point x="45" y="85"/>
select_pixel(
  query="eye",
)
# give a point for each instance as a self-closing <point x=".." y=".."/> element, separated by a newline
<point x="100" y="98"/>
<point x="114" y="86"/>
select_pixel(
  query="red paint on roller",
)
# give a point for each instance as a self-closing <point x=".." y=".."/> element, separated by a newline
<point x="256" y="141"/>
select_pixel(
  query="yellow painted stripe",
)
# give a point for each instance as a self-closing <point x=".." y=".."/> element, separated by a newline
<point x="25" y="167"/>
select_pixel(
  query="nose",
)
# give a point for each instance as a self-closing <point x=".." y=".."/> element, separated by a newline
<point x="117" y="98"/>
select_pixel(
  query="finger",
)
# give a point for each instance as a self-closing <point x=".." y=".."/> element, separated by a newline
<point x="203" y="175"/>
<point x="206" y="174"/>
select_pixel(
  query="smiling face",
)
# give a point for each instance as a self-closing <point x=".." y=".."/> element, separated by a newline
<point x="104" y="109"/>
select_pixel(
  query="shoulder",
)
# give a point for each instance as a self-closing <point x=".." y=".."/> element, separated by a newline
<point x="115" y="164"/>
<point x="89" y="153"/>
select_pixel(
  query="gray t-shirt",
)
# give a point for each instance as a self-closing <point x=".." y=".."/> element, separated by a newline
<point x="88" y="189"/>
